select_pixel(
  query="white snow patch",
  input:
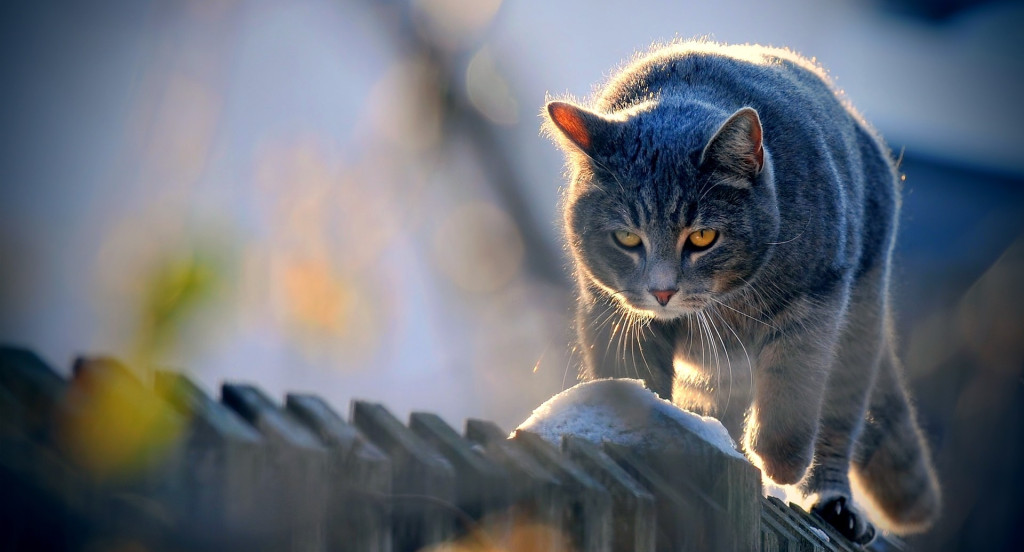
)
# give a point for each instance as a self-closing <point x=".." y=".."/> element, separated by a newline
<point x="821" y="534"/>
<point x="622" y="411"/>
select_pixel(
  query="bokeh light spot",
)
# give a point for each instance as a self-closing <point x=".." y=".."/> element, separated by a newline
<point x="488" y="90"/>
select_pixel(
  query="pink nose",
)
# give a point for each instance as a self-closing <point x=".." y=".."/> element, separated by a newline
<point x="663" y="295"/>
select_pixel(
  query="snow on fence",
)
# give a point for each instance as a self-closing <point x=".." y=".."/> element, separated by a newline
<point x="106" y="461"/>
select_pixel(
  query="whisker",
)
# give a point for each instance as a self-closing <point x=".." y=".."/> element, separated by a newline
<point x="728" y="361"/>
<point x="743" y="314"/>
<point x="714" y="347"/>
<point x="716" y="184"/>
<point x="750" y="366"/>
<point x="639" y="340"/>
<point x="568" y="363"/>
<point x="807" y="224"/>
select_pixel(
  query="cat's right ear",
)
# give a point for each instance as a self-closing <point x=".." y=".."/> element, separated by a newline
<point x="737" y="145"/>
<point x="589" y="132"/>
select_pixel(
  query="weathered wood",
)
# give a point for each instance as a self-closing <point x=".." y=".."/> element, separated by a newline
<point x="687" y="452"/>
<point x="359" y="479"/>
<point x="887" y="543"/>
<point x="633" y="521"/>
<point x="588" y="517"/>
<point x="423" y="481"/>
<point x="678" y="517"/>
<point x="769" y="539"/>
<point x="837" y="540"/>
<point x="783" y="537"/>
<point x="188" y="472"/>
<point x="537" y="493"/>
<point x="134" y="466"/>
<point x="43" y="503"/>
<point x="482" y="485"/>
<point x="297" y="466"/>
<point x="728" y="489"/>
<point x="36" y="388"/>
<point x="809" y="541"/>
<point x="225" y="462"/>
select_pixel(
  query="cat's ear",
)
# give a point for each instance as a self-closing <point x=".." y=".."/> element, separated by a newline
<point x="591" y="133"/>
<point x="736" y="146"/>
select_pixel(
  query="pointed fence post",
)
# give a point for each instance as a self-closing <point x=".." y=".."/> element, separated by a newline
<point x="423" y="481"/>
<point x="358" y="479"/>
<point x="224" y="459"/>
<point x="482" y="485"/>
<point x="589" y="514"/>
<point x="633" y="521"/>
<point x="125" y="442"/>
<point x="297" y="466"/>
<point x="537" y="494"/>
<point x="44" y="505"/>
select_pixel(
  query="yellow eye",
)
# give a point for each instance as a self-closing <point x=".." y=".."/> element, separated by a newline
<point x="702" y="238"/>
<point x="626" y="238"/>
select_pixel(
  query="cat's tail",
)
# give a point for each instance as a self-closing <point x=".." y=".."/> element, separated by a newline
<point x="892" y="464"/>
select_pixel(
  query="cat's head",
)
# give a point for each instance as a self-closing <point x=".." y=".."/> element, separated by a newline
<point x="670" y="206"/>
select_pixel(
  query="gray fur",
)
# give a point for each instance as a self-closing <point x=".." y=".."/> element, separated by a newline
<point x="785" y="319"/>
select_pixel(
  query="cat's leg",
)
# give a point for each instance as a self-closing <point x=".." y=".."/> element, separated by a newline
<point x="892" y="462"/>
<point x="789" y="386"/>
<point x="617" y="344"/>
<point x="842" y="414"/>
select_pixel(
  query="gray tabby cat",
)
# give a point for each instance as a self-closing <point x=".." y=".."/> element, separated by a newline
<point x="731" y="221"/>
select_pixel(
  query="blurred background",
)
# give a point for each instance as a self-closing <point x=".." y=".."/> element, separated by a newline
<point x="353" y="198"/>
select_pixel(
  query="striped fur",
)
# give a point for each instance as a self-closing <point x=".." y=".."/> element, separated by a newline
<point x="781" y="327"/>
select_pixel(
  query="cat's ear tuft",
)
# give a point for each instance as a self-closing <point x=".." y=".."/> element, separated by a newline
<point x="588" y="131"/>
<point x="737" y="145"/>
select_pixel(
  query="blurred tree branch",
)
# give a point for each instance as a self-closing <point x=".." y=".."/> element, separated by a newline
<point x="542" y="260"/>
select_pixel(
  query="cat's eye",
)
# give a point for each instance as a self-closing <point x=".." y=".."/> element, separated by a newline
<point x="627" y="238"/>
<point x="702" y="239"/>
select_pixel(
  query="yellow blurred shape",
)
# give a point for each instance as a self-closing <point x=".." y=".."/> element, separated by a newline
<point x="499" y="536"/>
<point x="315" y="298"/>
<point x="175" y="287"/>
<point x="488" y="91"/>
<point x="326" y="308"/>
<point x="478" y="247"/>
<point x="114" y="428"/>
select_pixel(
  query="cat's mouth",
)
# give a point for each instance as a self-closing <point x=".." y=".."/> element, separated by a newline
<point x="676" y="307"/>
<point x="685" y="306"/>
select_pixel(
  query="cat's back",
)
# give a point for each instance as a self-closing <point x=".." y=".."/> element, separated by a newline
<point x="719" y="73"/>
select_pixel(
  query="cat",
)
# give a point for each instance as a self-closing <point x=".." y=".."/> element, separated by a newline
<point x="731" y="220"/>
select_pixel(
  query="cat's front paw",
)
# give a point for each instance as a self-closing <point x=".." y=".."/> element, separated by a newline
<point x="782" y="461"/>
<point x="840" y="513"/>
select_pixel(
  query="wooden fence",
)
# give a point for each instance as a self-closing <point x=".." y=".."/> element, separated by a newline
<point x="105" y="461"/>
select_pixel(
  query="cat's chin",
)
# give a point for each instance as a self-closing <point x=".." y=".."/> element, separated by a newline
<point x="668" y="312"/>
<point x="675" y="312"/>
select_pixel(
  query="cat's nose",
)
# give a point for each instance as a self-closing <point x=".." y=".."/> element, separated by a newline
<point x="663" y="295"/>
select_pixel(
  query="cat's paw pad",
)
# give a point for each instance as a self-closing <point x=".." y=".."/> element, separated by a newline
<point x="840" y="513"/>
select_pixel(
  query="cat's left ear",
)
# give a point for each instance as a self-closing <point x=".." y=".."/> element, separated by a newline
<point x="590" y="133"/>
<point x="736" y="146"/>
